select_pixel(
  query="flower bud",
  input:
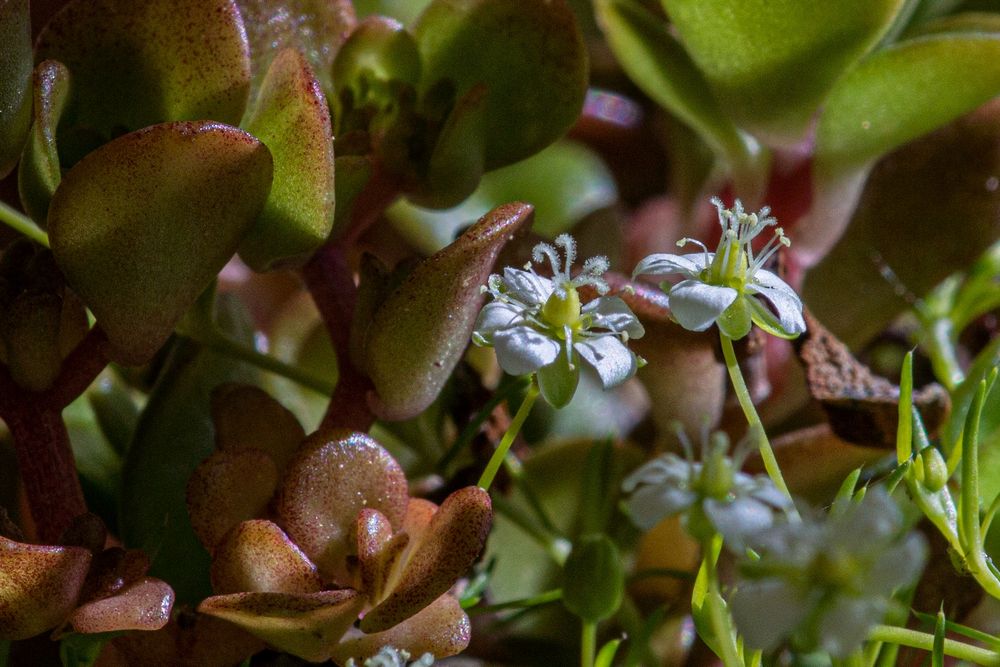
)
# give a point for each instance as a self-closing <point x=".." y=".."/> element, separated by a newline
<point x="935" y="469"/>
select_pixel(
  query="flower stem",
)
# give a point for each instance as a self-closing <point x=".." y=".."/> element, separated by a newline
<point x="23" y="224"/>
<point x="922" y="640"/>
<point x="508" y="438"/>
<point x="753" y="419"/>
<point x="717" y="614"/>
<point x="588" y="644"/>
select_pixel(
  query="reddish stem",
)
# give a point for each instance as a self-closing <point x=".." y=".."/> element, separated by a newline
<point x="330" y="280"/>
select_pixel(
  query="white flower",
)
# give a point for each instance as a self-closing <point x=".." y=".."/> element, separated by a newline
<point x="537" y="324"/>
<point x="390" y="656"/>
<point x="722" y="287"/>
<point x="733" y="503"/>
<point x="824" y="584"/>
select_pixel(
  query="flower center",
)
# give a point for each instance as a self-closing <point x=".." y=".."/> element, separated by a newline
<point x="562" y="310"/>
<point x="729" y="267"/>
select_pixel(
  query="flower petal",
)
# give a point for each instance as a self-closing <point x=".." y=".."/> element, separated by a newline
<point x="846" y="624"/>
<point x="526" y="286"/>
<point x="784" y="605"/>
<point x="696" y="305"/>
<point x="522" y="350"/>
<point x="663" y="264"/>
<point x="497" y="316"/>
<point x="785" y="300"/>
<point x="612" y="360"/>
<point x="610" y="312"/>
<point x="735" y="519"/>
<point x="651" y="504"/>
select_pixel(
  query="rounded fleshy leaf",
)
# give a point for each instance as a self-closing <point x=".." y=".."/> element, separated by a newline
<point x="246" y="417"/>
<point x="304" y="625"/>
<point x="768" y="81"/>
<point x="441" y="628"/>
<point x="227" y="488"/>
<point x="419" y="333"/>
<point x="316" y="28"/>
<point x="15" y="81"/>
<point x="39" y="173"/>
<point x="332" y="479"/>
<point x="448" y="548"/>
<point x="142" y="225"/>
<point x="934" y="190"/>
<point x="378" y="551"/>
<point x="291" y="117"/>
<point x="140" y="63"/>
<point x="516" y="48"/>
<point x="258" y="557"/>
<point x="381" y="46"/>
<point x="39" y="586"/>
<point x="145" y="605"/>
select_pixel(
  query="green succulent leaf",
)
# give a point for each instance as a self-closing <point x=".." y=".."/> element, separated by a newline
<point x="142" y="225"/>
<point x="39" y="173"/>
<point x="139" y="63"/>
<point x="529" y="54"/>
<point x="966" y="22"/>
<point x="771" y="63"/>
<point x="902" y="93"/>
<point x="291" y="118"/>
<point x="316" y="28"/>
<point x="380" y="46"/>
<point x="15" y="81"/>
<point x="593" y="578"/>
<point x="423" y="327"/>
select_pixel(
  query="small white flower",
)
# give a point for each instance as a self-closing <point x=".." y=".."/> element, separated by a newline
<point x="824" y="584"/>
<point x="537" y="324"/>
<point x="390" y="656"/>
<point x="733" y="503"/>
<point x="722" y="287"/>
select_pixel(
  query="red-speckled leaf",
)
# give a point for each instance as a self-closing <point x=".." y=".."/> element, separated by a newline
<point x="418" y="518"/>
<point x="39" y="172"/>
<point x="378" y="552"/>
<point x="291" y="117"/>
<point x="332" y="479"/>
<point x="145" y="605"/>
<point x="304" y="625"/>
<point x="316" y="28"/>
<point x="246" y="417"/>
<point x="257" y="556"/>
<point x="227" y="488"/>
<point x="517" y="48"/>
<point x="15" y="81"/>
<point x="449" y="547"/>
<point x="419" y="333"/>
<point x="142" y="225"/>
<point x="39" y="586"/>
<point x="934" y="191"/>
<point x="441" y="629"/>
<point x="139" y="63"/>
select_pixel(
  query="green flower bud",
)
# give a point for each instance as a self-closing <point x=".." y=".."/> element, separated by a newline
<point x="935" y="469"/>
<point x="593" y="578"/>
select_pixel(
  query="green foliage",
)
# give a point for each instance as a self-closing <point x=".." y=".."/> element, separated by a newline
<point x="593" y="578"/>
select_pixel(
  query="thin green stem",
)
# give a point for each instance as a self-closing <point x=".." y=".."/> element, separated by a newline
<point x="556" y="547"/>
<point x="940" y="347"/>
<point x="23" y="224"/>
<point x="753" y="419"/>
<point x="230" y="348"/>
<point x="504" y="391"/>
<point x="588" y="644"/>
<point x="508" y="438"/>
<point x="718" y="616"/>
<point x="925" y="641"/>
<point x="548" y="597"/>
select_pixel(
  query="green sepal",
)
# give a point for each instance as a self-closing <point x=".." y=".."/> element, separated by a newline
<point x="736" y="320"/>
<point x="768" y="321"/>
<point x="558" y="380"/>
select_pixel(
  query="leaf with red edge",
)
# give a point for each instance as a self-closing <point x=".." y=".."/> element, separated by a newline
<point x="247" y="417"/>
<point x="303" y="625"/>
<point x="257" y="556"/>
<point x="441" y="628"/>
<point x="451" y="544"/>
<point x="142" y="225"/>
<point x="39" y="586"/>
<point x="421" y="330"/>
<point x="291" y="117"/>
<point x="145" y="605"/>
<point x="140" y="63"/>
<point x="334" y="477"/>
<point x="226" y="488"/>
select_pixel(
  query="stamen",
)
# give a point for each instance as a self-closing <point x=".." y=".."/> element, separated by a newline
<point x="543" y="250"/>
<point x="686" y="445"/>
<point x="777" y="241"/>
<point x="704" y="249"/>
<point x="568" y="244"/>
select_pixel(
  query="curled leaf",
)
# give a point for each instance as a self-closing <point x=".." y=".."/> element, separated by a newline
<point x="39" y="173"/>
<point x="419" y="333"/>
<point x="257" y="556"/>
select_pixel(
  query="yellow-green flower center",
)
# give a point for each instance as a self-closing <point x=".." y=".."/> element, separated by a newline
<point x="729" y="267"/>
<point x="562" y="310"/>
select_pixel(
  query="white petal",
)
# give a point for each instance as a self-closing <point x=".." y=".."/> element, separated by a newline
<point x="785" y="300"/>
<point x="528" y="287"/>
<point x="613" y="362"/>
<point x="846" y="624"/>
<point x="665" y="469"/>
<point x="522" y="350"/>
<point x="740" y="517"/>
<point x="898" y="566"/>
<point x="651" y="504"/>
<point x="696" y="305"/>
<point x="664" y="264"/>
<point x="610" y="312"/>
<point x="496" y="316"/>
<point x="767" y="612"/>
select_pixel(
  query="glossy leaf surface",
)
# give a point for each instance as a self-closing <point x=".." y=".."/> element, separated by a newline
<point x="39" y="173"/>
